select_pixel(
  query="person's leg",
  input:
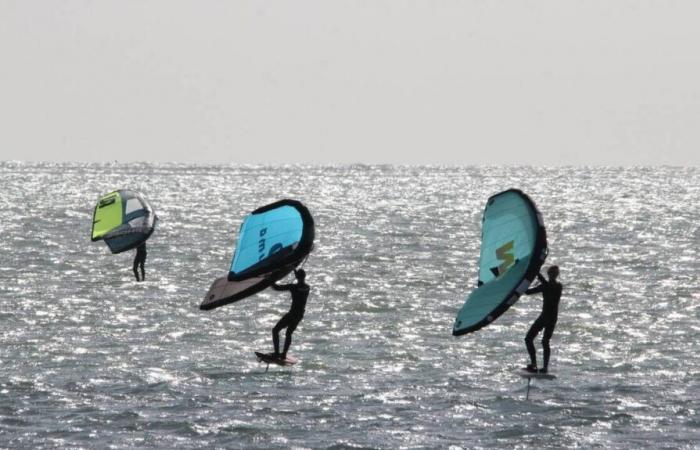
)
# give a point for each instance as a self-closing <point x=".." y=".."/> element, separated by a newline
<point x="287" y="343"/>
<point x="548" y="331"/>
<point x="283" y="322"/>
<point x="288" y="337"/>
<point x="143" y="269"/>
<point x="136" y="268"/>
<point x="529" y="338"/>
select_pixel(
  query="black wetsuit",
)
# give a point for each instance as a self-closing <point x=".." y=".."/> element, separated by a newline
<point x="551" y="293"/>
<point x="300" y="292"/>
<point x="140" y="260"/>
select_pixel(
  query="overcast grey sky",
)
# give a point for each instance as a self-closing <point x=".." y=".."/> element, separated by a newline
<point x="453" y="82"/>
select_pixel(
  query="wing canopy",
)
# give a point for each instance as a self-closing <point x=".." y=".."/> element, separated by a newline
<point x="123" y="219"/>
<point x="272" y="237"/>
<point x="513" y="249"/>
<point x="273" y="240"/>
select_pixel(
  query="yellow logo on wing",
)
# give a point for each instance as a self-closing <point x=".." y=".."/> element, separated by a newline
<point x="505" y="255"/>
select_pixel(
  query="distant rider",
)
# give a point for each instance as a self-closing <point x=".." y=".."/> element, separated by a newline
<point x="551" y="293"/>
<point x="140" y="260"/>
<point x="300" y="292"/>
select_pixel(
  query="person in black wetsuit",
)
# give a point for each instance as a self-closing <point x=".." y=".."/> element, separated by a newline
<point x="300" y="292"/>
<point x="551" y="293"/>
<point x="140" y="260"/>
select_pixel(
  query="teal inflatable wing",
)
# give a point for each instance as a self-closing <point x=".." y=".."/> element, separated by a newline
<point x="513" y="249"/>
<point x="271" y="237"/>
<point x="273" y="240"/>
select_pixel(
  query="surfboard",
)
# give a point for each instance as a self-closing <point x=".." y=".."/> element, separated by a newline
<point x="269" y="359"/>
<point x="535" y="375"/>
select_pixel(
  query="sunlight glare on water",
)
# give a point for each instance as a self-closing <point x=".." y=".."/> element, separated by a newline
<point x="91" y="359"/>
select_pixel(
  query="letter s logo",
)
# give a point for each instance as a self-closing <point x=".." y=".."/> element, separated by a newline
<point x="504" y="254"/>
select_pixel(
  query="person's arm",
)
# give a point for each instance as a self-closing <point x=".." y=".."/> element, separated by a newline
<point x="534" y="290"/>
<point x="282" y="287"/>
<point x="541" y="278"/>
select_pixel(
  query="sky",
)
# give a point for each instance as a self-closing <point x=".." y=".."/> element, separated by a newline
<point x="469" y="82"/>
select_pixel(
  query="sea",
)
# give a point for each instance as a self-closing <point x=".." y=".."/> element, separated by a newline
<point x="91" y="359"/>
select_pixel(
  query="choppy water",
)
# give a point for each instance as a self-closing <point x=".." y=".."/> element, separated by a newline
<point x="91" y="359"/>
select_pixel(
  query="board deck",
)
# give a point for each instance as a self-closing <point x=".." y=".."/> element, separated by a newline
<point x="533" y="375"/>
<point x="269" y="359"/>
